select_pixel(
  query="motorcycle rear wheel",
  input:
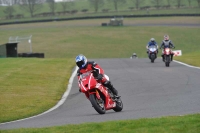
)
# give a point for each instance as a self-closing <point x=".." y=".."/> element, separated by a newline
<point x="98" y="104"/>
<point x="119" y="106"/>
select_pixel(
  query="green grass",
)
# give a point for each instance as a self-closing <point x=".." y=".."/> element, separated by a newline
<point x="61" y="42"/>
<point x="26" y="84"/>
<point x="191" y="58"/>
<point x="111" y="14"/>
<point x="123" y="9"/>
<point x="172" y="124"/>
<point x="69" y="38"/>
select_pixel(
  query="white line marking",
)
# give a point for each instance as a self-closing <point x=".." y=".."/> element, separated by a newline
<point x="64" y="97"/>
<point x="186" y="64"/>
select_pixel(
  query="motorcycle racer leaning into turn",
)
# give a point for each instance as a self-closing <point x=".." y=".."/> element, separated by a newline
<point x="98" y="72"/>
<point x="166" y="43"/>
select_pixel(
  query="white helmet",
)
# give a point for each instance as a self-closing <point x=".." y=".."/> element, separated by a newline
<point x="166" y="37"/>
<point x="152" y="39"/>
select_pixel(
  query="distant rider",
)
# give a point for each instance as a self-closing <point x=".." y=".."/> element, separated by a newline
<point x="134" y="55"/>
<point x="166" y="43"/>
<point x="152" y="42"/>
<point x="98" y="72"/>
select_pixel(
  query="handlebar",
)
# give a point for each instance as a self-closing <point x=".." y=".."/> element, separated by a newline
<point x="169" y="47"/>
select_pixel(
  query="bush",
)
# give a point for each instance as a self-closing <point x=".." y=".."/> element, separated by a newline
<point x="105" y="10"/>
<point x="84" y="10"/>
<point x="74" y="11"/>
<point x="131" y="8"/>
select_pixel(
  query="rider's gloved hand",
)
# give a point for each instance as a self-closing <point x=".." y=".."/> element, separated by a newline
<point x="99" y="77"/>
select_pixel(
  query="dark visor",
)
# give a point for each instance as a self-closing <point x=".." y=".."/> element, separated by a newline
<point x="80" y="63"/>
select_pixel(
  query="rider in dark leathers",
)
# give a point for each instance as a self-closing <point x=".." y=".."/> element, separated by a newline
<point x="166" y="43"/>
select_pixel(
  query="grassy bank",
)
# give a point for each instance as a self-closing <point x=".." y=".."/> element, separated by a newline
<point x="69" y="38"/>
<point x="123" y="9"/>
<point x="173" y="124"/>
<point x="31" y="86"/>
<point x="191" y="59"/>
<point x="111" y="14"/>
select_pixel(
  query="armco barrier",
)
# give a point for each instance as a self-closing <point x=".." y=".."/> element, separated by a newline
<point x="97" y="17"/>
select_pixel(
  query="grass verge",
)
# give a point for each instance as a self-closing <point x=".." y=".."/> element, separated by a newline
<point x="31" y="86"/>
<point x="123" y="9"/>
<point x="171" y="124"/>
<point x="69" y="38"/>
<point x="191" y="59"/>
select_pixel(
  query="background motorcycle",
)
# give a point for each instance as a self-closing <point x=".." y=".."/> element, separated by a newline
<point x="152" y="52"/>
<point x="101" y="98"/>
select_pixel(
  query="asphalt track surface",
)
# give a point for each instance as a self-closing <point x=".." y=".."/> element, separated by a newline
<point x="147" y="90"/>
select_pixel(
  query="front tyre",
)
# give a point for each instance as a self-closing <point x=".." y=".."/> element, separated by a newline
<point x="152" y="58"/>
<point x="119" y="106"/>
<point x="98" y="104"/>
<point x="167" y="61"/>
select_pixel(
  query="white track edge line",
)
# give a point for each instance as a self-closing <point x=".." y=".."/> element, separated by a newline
<point x="64" y="97"/>
<point x="185" y="64"/>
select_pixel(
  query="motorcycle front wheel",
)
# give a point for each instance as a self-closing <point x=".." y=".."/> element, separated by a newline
<point x="167" y="61"/>
<point x="119" y="105"/>
<point x="152" y="58"/>
<point x="98" y="104"/>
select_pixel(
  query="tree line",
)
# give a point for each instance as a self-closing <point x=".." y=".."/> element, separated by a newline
<point x="32" y="6"/>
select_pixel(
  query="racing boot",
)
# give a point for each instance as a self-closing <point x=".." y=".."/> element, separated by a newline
<point x="113" y="90"/>
<point x="163" y="58"/>
<point x="172" y="57"/>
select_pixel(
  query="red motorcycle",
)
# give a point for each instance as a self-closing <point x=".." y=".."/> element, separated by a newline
<point x="167" y="56"/>
<point x="101" y="98"/>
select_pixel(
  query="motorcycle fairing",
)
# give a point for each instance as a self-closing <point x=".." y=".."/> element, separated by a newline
<point x="109" y="103"/>
<point x="89" y="85"/>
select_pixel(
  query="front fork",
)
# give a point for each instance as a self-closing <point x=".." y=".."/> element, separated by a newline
<point x="154" y="54"/>
<point x="96" y="93"/>
<point x="171" y="56"/>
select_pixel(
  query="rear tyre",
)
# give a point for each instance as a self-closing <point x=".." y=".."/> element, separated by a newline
<point x="119" y="105"/>
<point x="98" y="104"/>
